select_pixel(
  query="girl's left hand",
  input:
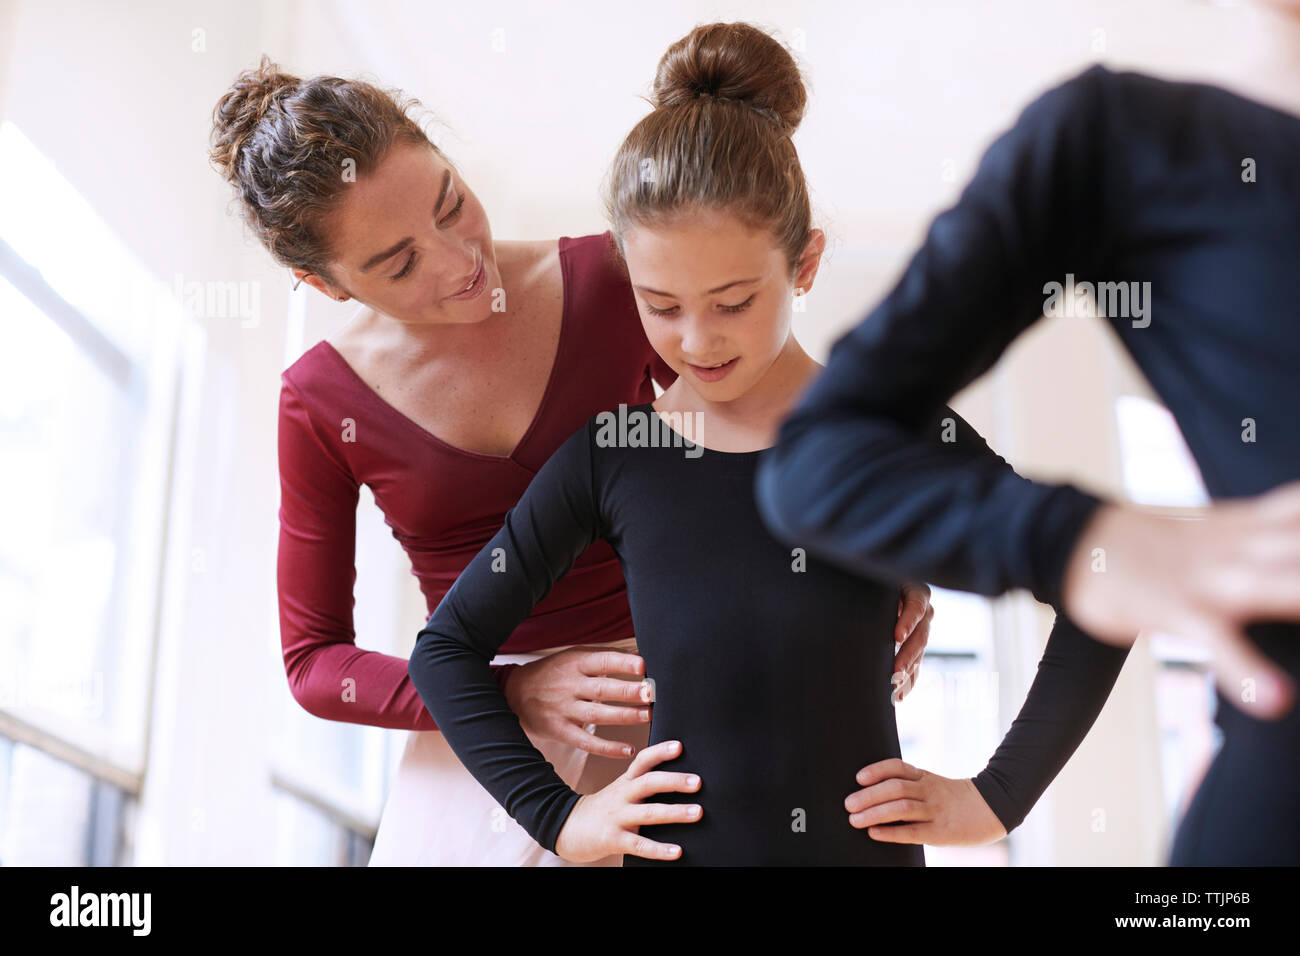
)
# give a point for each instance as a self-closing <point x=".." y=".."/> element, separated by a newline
<point x="936" y="810"/>
<point x="912" y="631"/>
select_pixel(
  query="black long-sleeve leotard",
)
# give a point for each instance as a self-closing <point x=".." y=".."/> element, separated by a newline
<point x="772" y="667"/>
<point x="1185" y="194"/>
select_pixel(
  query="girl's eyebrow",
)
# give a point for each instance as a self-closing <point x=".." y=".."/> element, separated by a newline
<point x="721" y="288"/>
<point x="389" y="253"/>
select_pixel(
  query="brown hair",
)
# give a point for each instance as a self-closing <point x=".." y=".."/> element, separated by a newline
<point x="727" y="99"/>
<point x="283" y="143"/>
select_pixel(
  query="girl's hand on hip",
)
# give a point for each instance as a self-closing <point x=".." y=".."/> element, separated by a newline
<point x="559" y="697"/>
<point x="936" y="810"/>
<point x="609" y="820"/>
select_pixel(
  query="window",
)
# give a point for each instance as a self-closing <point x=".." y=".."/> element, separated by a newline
<point x="332" y="778"/>
<point x="1160" y="473"/>
<point x="56" y="814"/>
<point x="86" y="384"/>
<point x="948" y="723"/>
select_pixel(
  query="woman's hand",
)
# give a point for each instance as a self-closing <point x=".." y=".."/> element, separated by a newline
<point x="938" y="810"/>
<point x="1205" y="580"/>
<point x="559" y="697"/>
<point x="912" y="631"/>
<point x="608" y="820"/>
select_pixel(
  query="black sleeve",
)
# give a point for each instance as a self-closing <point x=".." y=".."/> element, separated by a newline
<point x="1075" y="676"/>
<point x="547" y="530"/>
<point x="855" y="471"/>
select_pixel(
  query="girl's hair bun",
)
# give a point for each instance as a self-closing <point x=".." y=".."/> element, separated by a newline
<point x="733" y="61"/>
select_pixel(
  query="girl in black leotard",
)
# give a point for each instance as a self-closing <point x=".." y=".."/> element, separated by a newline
<point x="763" y="663"/>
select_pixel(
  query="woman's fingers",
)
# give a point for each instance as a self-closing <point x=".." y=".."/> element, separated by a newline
<point x="913" y="632"/>
<point x="914" y="647"/>
<point x="914" y="604"/>
<point x="614" y="689"/>
<point x="1281" y="505"/>
<point x="1247" y="678"/>
<point x="594" y="744"/>
<point x="590" y="712"/>
<point x="597" y="662"/>
<point x="907" y="661"/>
<point x="1265" y="593"/>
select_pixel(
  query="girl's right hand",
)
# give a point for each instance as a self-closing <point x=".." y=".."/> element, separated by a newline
<point x="608" y="821"/>
<point x="563" y="696"/>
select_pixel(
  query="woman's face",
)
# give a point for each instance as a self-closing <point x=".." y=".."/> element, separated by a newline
<point x="411" y="238"/>
<point x="713" y="292"/>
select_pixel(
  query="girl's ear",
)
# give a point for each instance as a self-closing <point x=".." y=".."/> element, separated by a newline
<point x="809" y="260"/>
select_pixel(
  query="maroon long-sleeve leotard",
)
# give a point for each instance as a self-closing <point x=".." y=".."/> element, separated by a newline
<point x="442" y="503"/>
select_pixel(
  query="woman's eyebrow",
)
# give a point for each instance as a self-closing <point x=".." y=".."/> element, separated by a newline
<point x="721" y="288"/>
<point x="388" y="253"/>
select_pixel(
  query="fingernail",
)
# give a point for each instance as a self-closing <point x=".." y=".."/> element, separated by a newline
<point x="645" y="715"/>
<point x="692" y="781"/>
<point x="627" y="751"/>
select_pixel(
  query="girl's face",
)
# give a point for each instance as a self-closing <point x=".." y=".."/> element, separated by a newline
<point x="412" y="242"/>
<point x="715" y="298"/>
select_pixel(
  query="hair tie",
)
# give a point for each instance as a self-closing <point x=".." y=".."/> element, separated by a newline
<point x="762" y="110"/>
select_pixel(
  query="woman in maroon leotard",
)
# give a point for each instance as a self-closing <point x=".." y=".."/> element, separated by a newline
<point x="472" y="361"/>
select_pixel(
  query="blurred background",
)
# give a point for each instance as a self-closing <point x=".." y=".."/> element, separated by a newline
<point x="145" y="716"/>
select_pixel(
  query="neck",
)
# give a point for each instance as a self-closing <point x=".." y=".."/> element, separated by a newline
<point x="768" y="401"/>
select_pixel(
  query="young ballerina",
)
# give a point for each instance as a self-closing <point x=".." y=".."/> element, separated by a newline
<point x="431" y="385"/>
<point x="768" y="699"/>
<point x="1114" y="178"/>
